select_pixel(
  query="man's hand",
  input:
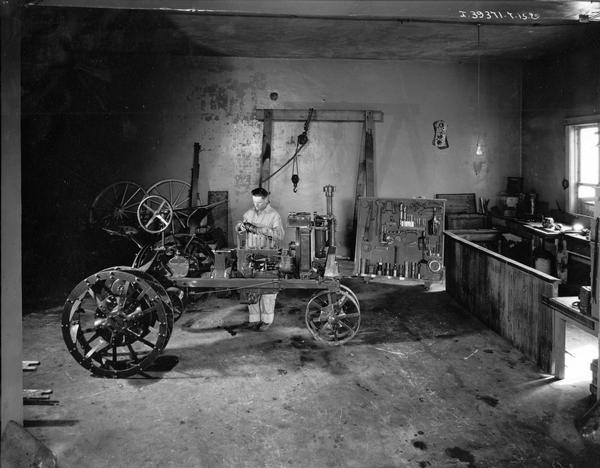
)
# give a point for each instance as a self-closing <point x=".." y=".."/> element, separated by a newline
<point x="250" y="227"/>
<point x="245" y="226"/>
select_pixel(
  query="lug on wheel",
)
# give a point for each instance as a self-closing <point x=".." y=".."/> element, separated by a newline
<point x="333" y="317"/>
<point x="116" y="323"/>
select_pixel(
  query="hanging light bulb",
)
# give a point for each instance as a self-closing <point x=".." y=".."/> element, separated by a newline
<point x="479" y="149"/>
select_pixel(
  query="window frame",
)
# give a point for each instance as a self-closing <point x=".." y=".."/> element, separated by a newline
<point x="571" y="127"/>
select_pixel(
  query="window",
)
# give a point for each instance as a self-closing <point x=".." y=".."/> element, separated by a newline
<point x="583" y="146"/>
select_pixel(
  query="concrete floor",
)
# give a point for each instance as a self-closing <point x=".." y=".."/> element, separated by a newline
<point x="422" y="385"/>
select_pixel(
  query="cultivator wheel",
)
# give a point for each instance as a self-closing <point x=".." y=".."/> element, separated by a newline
<point x="333" y="317"/>
<point x="117" y="322"/>
<point x="116" y="205"/>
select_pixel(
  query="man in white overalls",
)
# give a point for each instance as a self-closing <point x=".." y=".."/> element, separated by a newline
<point x="265" y="230"/>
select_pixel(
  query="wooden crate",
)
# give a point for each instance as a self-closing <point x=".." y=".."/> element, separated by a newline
<point x="461" y="211"/>
<point x="458" y="203"/>
<point x="467" y="221"/>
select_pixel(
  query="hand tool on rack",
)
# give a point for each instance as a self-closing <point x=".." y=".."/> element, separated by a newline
<point x="379" y="227"/>
<point x="368" y="222"/>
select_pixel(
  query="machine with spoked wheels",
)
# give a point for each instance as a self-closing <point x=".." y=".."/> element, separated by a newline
<point x="116" y="322"/>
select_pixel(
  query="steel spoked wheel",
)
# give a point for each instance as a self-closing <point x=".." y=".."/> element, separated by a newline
<point x="333" y="317"/>
<point x="115" y="323"/>
<point x="177" y="193"/>
<point x="117" y="205"/>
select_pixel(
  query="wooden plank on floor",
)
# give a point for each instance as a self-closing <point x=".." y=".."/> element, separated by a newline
<point x="30" y="366"/>
<point x="34" y="393"/>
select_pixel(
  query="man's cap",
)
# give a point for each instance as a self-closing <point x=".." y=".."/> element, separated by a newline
<point x="260" y="192"/>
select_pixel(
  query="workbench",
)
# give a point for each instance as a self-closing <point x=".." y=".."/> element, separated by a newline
<point x="578" y="246"/>
<point x="528" y="230"/>
<point x="563" y="311"/>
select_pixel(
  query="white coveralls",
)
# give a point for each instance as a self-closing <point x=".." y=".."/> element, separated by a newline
<point x="268" y="223"/>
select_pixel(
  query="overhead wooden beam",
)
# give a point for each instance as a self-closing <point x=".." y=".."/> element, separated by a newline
<point x="322" y="115"/>
<point x="539" y="11"/>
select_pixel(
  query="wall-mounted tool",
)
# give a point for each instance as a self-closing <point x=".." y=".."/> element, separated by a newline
<point x="434" y="225"/>
<point x="422" y="242"/>
<point x="435" y="266"/>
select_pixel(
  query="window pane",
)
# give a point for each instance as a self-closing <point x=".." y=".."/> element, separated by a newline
<point x="588" y="154"/>
<point x="585" y="192"/>
<point x="584" y="166"/>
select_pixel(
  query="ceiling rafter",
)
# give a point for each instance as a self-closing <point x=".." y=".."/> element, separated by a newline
<point x="483" y="11"/>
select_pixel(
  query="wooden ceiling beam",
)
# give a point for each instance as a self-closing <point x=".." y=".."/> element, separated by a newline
<point x="482" y="11"/>
<point x="322" y="115"/>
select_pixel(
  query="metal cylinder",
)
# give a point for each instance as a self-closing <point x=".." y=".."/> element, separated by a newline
<point x="329" y="189"/>
<point x="320" y="240"/>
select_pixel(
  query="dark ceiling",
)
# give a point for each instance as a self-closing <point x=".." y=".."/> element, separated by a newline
<point x="367" y="29"/>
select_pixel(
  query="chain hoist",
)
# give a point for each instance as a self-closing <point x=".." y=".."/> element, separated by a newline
<point x="302" y="140"/>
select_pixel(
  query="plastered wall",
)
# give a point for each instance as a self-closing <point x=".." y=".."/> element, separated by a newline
<point x="555" y="89"/>
<point x="176" y="101"/>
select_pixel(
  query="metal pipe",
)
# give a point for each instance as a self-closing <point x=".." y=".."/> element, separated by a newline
<point x="329" y="189"/>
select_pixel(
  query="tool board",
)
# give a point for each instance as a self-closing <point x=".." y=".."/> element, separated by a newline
<point x="400" y="239"/>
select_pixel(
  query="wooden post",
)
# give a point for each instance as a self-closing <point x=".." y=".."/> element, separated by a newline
<point x="365" y="179"/>
<point x="265" y="157"/>
<point x="11" y="286"/>
<point x="369" y="155"/>
<point x="558" y="345"/>
<point x="194" y="196"/>
<point x="362" y="171"/>
<point x="595" y="281"/>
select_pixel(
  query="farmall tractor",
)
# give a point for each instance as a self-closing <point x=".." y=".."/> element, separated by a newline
<point x="117" y="321"/>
